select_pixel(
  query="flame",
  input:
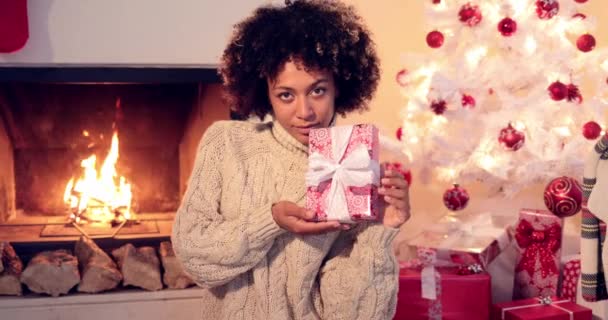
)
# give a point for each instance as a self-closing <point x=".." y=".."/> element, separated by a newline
<point x="100" y="193"/>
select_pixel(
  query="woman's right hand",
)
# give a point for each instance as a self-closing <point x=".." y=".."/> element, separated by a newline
<point x="296" y="219"/>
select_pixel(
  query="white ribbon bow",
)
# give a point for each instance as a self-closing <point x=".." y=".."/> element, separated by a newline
<point x="357" y="169"/>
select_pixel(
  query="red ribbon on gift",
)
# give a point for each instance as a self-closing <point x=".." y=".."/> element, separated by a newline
<point x="538" y="244"/>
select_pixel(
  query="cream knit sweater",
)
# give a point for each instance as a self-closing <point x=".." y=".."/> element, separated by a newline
<point x="227" y="240"/>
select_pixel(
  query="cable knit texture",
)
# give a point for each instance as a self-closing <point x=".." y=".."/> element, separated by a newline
<point x="227" y="240"/>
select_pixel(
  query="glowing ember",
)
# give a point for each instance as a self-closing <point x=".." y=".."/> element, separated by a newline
<point x="99" y="196"/>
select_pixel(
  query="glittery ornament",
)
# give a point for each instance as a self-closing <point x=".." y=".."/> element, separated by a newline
<point x="455" y="198"/>
<point x="558" y="91"/>
<point x="470" y="15"/>
<point x="507" y="27"/>
<point x="547" y="9"/>
<point x="592" y="130"/>
<point x="438" y="106"/>
<point x="563" y="196"/>
<point x="511" y="139"/>
<point x="585" y="43"/>
<point x="401" y="77"/>
<point x="434" y="39"/>
<point x="574" y="94"/>
<point x="468" y="101"/>
<point x="399" y="133"/>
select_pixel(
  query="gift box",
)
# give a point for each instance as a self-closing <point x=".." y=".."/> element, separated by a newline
<point x="540" y="309"/>
<point x="343" y="173"/>
<point x="538" y="236"/>
<point x="475" y="238"/>
<point x="571" y="272"/>
<point x="458" y="296"/>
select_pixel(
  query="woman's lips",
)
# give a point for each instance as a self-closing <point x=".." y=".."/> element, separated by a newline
<point x="305" y="130"/>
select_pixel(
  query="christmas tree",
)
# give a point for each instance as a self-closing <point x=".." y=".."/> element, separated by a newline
<point x="513" y="93"/>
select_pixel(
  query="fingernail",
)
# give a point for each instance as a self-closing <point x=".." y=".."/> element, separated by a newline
<point x="345" y="227"/>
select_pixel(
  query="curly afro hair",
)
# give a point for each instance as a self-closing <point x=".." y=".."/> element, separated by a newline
<point x="322" y="35"/>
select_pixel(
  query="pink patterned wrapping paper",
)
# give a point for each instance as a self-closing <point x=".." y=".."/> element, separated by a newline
<point x="538" y="236"/>
<point x="571" y="272"/>
<point x="360" y="201"/>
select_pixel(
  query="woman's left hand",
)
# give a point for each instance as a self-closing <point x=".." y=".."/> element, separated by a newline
<point x="395" y="192"/>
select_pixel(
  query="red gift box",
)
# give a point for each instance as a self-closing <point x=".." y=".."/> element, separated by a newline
<point x="571" y="272"/>
<point x="343" y="175"/>
<point x="540" y="309"/>
<point x="538" y="236"/>
<point x="462" y="297"/>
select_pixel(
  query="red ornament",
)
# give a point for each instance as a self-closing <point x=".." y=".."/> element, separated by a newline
<point x="580" y="1"/>
<point x="558" y="91"/>
<point x="585" y="43"/>
<point x="456" y="198"/>
<point x="563" y="196"/>
<point x="511" y="139"/>
<point x="580" y="15"/>
<point x="407" y="174"/>
<point x="468" y="101"/>
<point x="591" y="130"/>
<point x="546" y="9"/>
<point x="574" y="94"/>
<point x="507" y="27"/>
<point x="434" y="39"/>
<point x="402" y="77"/>
<point x="399" y="133"/>
<point x="436" y="1"/>
<point x="438" y="106"/>
<point x="470" y="15"/>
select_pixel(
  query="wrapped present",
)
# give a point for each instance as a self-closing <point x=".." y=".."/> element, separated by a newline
<point x="445" y="293"/>
<point x="547" y="308"/>
<point x="571" y="272"/>
<point x="538" y="236"/>
<point x="343" y="173"/>
<point x="474" y="239"/>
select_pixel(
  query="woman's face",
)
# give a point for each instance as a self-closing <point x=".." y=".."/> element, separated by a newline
<point x="302" y="100"/>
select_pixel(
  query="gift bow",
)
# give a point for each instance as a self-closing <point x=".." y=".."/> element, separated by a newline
<point x="357" y="169"/>
<point x="538" y="243"/>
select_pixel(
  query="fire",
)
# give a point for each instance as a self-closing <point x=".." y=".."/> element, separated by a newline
<point x="99" y="196"/>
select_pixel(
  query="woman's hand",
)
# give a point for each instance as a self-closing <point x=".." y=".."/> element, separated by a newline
<point x="395" y="192"/>
<point x="296" y="219"/>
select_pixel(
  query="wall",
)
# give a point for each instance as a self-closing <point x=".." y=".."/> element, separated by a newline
<point x="190" y="32"/>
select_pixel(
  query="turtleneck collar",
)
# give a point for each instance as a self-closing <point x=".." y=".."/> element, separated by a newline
<point x="287" y="140"/>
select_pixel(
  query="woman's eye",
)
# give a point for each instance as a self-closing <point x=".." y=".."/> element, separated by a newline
<point x="319" y="91"/>
<point x="285" y="96"/>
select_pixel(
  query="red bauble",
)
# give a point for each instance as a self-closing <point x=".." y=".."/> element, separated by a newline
<point x="511" y="139"/>
<point x="468" y="101"/>
<point x="399" y="133"/>
<point x="546" y="9"/>
<point x="558" y="91"/>
<point x="580" y="1"/>
<point x="591" y="130"/>
<point x="507" y="27"/>
<point x="574" y="94"/>
<point x="436" y="1"/>
<point x="580" y="15"/>
<point x="563" y="196"/>
<point x="585" y="43"/>
<point x="438" y="106"/>
<point x="456" y="198"/>
<point x="401" y="77"/>
<point x="434" y="39"/>
<point x="470" y="15"/>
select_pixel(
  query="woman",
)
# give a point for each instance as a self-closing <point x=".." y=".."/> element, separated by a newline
<point x="241" y="230"/>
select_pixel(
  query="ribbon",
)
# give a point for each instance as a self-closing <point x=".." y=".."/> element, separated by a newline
<point x="540" y="245"/>
<point x="357" y="169"/>
<point x="542" y="301"/>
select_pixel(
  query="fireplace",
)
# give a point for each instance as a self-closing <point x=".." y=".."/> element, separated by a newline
<point x="100" y="152"/>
